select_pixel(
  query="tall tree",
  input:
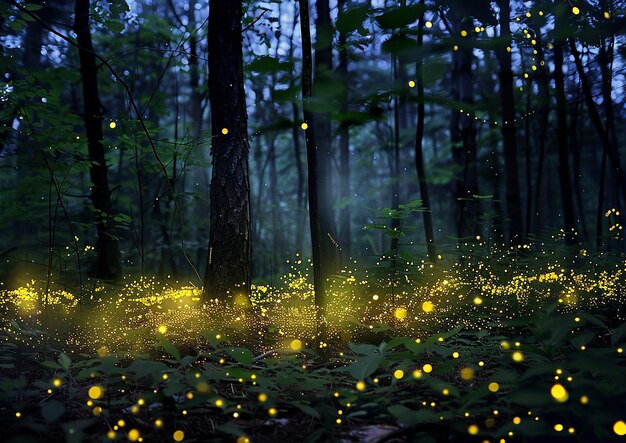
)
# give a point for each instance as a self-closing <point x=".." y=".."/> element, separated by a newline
<point x="108" y="256"/>
<point x="322" y="80"/>
<point x="508" y="128"/>
<point x="419" y="143"/>
<point x="569" y="222"/>
<point x="228" y="266"/>
<point x="345" y="230"/>
<point x="312" y="170"/>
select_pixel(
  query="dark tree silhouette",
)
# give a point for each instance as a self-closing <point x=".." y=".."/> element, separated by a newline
<point x="509" y="130"/>
<point x="228" y="265"/>
<point x="312" y="169"/>
<point x="108" y="257"/>
<point x="419" y="142"/>
<point x="569" y="222"/>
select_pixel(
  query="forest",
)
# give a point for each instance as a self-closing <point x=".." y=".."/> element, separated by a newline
<point x="326" y="220"/>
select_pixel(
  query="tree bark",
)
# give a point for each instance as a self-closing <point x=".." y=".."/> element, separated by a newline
<point x="228" y="267"/>
<point x="569" y="223"/>
<point x="508" y="128"/>
<point x="108" y="263"/>
<point x="419" y="148"/>
<point x="312" y="169"/>
<point x="345" y="230"/>
<point x="323" y="67"/>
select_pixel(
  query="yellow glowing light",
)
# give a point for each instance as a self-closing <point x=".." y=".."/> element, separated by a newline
<point x="463" y="33"/>
<point x="472" y="429"/>
<point x="121" y="423"/>
<point x="178" y="435"/>
<point x="95" y="392"/>
<point x="97" y="411"/>
<point x="558" y="427"/>
<point x="304" y="126"/>
<point x="559" y="393"/>
<point x="57" y="382"/>
<point x="272" y="412"/>
<point x="428" y="306"/>
<point x="360" y="386"/>
<point x="158" y="423"/>
<point x="493" y="386"/>
<point x="517" y="357"/>
<point x="133" y="435"/>
<point x="478" y="301"/>
<point x="162" y="329"/>
<point x="517" y="420"/>
<point x="400" y="313"/>
<point x="575" y="10"/>
<point x="398" y="373"/>
<point x="428" y="24"/>
<point x="584" y="399"/>
<point x="111" y="435"/>
<point x="607" y="15"/>
<point x="262" y="397"/>
<point x="296" y="345"/>
<point x="455" y="354"/>
<point x="619" y="427"/>
<point x="375" y="297"/>
<point x="219" y="402"/>
<point x="467" y="373"/>
<point x="505" y="345"/>
<point x="417" y="373"/>
<point x="224" y="131"/>
<point x="112" y="125"/>
<point x="18" y="414"/>
<point x="411" y="84"/>
<point x="243" y="439"/>
<point x="427" y="368"/>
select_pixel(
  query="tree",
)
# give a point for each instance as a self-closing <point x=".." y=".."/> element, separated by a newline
<point x="312" y="170"/>
<point x="569" y="223"/>
<point x="508" y="128"/>
<point x="323" y="78"/>
<point x="108" y="257"/>
<point x="419" y="142"/>
<point x="228" y="265"/>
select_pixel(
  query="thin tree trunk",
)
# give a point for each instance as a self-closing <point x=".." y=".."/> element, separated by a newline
<point x="311" y="148"/>
<point x="594" y="114"/>
<point x="108" y="263"/>
<point x="228" y="267"/>
<point x="345" y="230"/>
<point x="419" y="146"/>
<point x="569" y="223"/>
<point x="508" y="128"/>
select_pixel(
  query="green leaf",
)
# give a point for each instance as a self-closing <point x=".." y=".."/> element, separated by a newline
<point x="400" y="17"/>
<point x="266" y="64"/>
<point x="352" y="19"/>
<point x="65" y="361"/>
<point x="411" y="417"/>
<point x="52" y="410"/>
<point x="243" y="356"/>
<point x="365" y="366"/>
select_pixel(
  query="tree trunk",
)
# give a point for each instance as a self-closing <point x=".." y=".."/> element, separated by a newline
<point x="311" y="151"/>
<point x="419" y="144"/>
<point x="228" y="267"/>
<point x="345" y="230"/>
<point x="569" y="223"/>
<point x="323" y="67"/>
<point x="508" y="128"/>
<point x="108" y="263"/>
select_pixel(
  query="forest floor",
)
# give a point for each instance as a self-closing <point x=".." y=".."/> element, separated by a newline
<point x="498" y="347"/>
